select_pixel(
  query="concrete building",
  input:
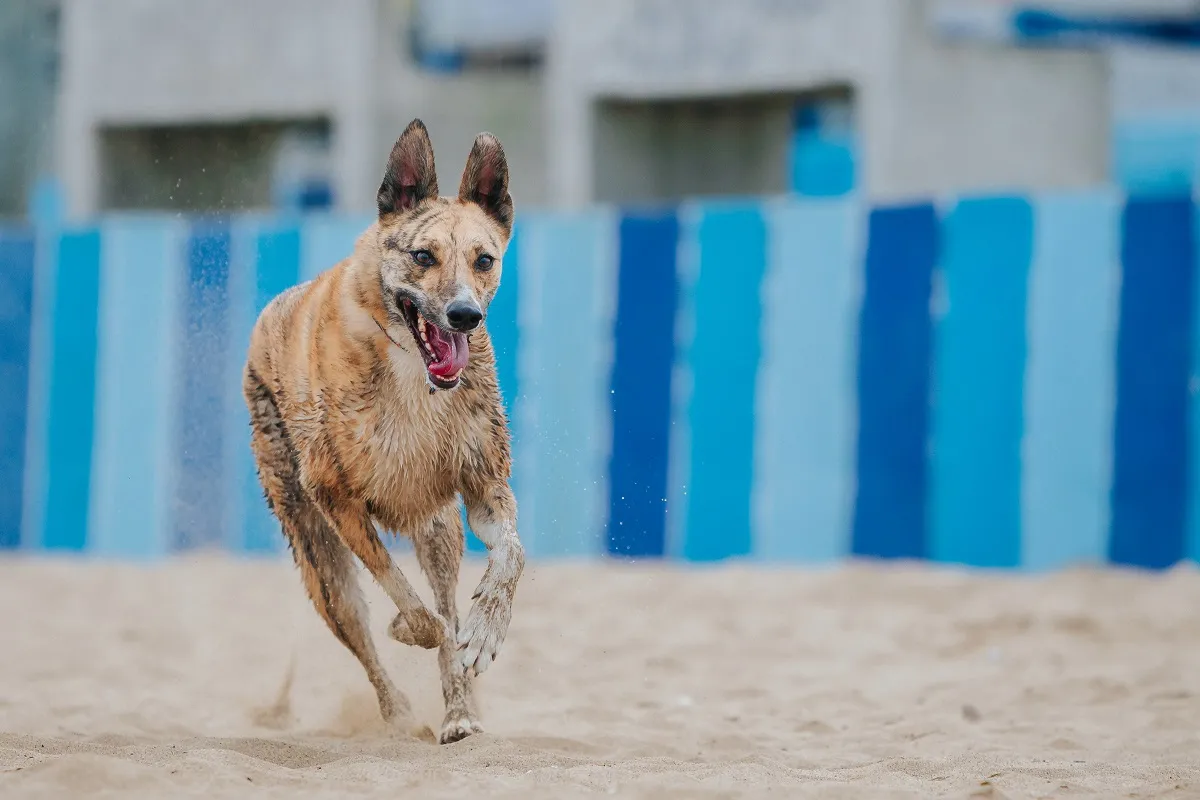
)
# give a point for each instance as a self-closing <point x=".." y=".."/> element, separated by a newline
<point x="931" y="115"/>
<point x="222" y="104"/>
<point x="28" y="68"/>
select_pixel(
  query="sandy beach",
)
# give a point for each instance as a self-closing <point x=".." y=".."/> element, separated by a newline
<point x="169" y="680"/>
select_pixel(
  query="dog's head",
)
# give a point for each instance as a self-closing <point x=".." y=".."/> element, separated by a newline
<point x="441" y="257"/>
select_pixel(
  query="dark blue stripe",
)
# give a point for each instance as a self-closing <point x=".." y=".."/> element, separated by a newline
<point x="724" y="368"/>
<point x="1149" y="493"/>
<point x="277" y="268"/>
<point x="506" y="339"/>
<point x="893" y="383"/>
<point x="199" y="518"/>
<point x="979" y="384"/>
<point x="643" y="360"/>
<point x="16" y="317"/>
<point x="72" y="390"/>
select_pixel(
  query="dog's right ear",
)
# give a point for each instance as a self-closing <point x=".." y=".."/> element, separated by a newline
<point x="410" y="176"/>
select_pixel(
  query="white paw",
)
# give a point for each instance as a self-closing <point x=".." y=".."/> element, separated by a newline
<point x="481" y="635"/>
<point x="455" y="730"/>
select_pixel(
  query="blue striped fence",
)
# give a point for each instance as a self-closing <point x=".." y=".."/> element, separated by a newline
<point x="995" y="381"/>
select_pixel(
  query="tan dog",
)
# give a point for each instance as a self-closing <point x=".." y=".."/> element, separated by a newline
<point x="373" y="399"/>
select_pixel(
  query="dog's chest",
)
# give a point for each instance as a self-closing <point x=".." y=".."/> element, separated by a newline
<point x="405" y="454"/>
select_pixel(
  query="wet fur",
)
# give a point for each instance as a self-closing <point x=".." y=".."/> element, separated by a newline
<point x="347" y="431"/>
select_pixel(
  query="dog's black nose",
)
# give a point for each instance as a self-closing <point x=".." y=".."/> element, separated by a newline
<point x="463" y="316"/>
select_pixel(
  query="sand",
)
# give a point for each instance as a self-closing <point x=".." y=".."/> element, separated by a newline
<point x="165" y="680"/>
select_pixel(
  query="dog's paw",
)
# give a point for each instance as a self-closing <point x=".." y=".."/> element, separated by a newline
<point x="420" y="628"/>
<point x="456" y="728"/>
<point x="481" y="635"/>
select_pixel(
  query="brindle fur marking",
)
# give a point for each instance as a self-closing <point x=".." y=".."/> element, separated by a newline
<point x="347" y="430"/>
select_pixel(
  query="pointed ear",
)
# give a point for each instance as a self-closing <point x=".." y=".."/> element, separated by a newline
<point x="485" y="180"/>
<point x="410" y="176"/>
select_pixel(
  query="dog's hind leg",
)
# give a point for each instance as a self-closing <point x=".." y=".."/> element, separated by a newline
<point x="439" y="549"/>
<point x="326" y="565"/>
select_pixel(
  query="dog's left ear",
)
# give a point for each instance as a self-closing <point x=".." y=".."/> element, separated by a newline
<point x="485" y="180"/>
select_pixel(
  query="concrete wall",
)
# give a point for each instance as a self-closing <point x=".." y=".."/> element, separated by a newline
<point x="977" y="117"/>
<point x="664" y="150"/>
<point x="932" y="115"/>
<point x="633" y="92"/>
<point x="133" y="64"/>
<point x="170" y="62"/>
<point x="28" y="62"/>
<point x="456" y="107"/>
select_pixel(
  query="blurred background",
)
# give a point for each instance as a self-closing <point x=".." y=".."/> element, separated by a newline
<point x="792" y="279"/>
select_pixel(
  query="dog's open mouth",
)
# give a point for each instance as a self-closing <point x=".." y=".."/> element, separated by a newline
<point x="445" y="352"/>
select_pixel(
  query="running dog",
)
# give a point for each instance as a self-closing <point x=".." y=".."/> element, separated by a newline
<point x="373" y="400"/>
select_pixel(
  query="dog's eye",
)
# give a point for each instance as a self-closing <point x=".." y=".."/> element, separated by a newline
<point x="423" y="258"/>
<point x="484" y="262"/>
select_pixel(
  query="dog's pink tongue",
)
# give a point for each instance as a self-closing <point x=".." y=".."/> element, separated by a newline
<point x="450" y="354"/>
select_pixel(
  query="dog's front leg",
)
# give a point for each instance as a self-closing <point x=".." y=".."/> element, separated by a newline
<point x="350" y="519"/>
<point x="492" y="515"/>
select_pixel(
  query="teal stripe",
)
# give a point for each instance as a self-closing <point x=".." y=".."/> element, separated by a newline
<point x="978" y="388"/>
<point x="41" y="349"/>
<point x="140" y="313"/>
<point x="75" y="280"/>
<point x="568" y="291"/>
<point x="327" y="240"/>
<point x="506" y="339"/>
<point x="723" y="357"/>
<point x="806" y="407"/>
<point x="1070" y="380"/>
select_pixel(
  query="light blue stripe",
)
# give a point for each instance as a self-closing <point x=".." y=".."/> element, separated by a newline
<point x="199" y="499"/>
<point x="277" y="257"/>
<point x="805" y="449"/>
<point x="1070" y="381"/>
<point x="41" y="354"/>
<point x="978" y="388"/>
<point x="140" y="313"/>
<point x="568" y="293"/>
<point x="327" y="240"/>
<point x="242" y="493"/>
<point x="679" y="455"/>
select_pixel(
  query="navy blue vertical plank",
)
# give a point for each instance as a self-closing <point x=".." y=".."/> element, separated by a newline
<point x="16" y="318"/>
<point x="1150" y="470"/>
<point x="200" y="500"/>
<point x="71" y="416"/>
<point x="895" y="340"/>
<point x="643" y="359"/>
